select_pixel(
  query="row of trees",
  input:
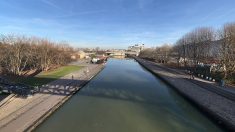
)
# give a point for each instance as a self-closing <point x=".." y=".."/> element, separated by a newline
<point x="201" y="45"/>
<point x="160" y="54"/>
<point x="204" y="45"/>
<point x="20" y="53"/>
<point x="196" y="46"/>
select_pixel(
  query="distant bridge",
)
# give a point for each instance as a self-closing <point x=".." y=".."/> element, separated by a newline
<point x="121" y="53"/>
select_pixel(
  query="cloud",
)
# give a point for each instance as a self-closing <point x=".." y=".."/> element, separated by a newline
<point x="30" y="25"/>
<point x="52" y="4"/>
<point x="72" y="14"/>
<point x="137" y="36"/>
<point x="27" y="22"/>
<point x="142" y="4"/>
<point x="69" y="12"/>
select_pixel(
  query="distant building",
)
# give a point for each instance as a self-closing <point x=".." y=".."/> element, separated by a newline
<point x="78" y="55"/>
<point x="81" y="54"/>
<point x="135" y="49"/>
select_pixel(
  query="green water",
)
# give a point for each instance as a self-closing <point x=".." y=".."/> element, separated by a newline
<point x="125" y="97"/>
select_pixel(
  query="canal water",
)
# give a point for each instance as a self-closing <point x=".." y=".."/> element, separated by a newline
<point x="124" y="97"/>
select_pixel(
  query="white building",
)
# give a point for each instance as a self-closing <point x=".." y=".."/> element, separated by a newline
<point x="136" y="49"/>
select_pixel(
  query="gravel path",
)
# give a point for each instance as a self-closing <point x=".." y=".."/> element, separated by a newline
<point x="20" y="113"/>
<point x="219" y="107"/>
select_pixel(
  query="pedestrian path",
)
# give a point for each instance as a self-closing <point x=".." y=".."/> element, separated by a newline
<point x="226" y="91"/>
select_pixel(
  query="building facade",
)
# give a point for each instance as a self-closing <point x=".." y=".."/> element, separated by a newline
<point x="135" y="49"/>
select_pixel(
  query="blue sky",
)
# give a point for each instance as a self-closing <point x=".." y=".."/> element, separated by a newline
<point x="112" y="23"/>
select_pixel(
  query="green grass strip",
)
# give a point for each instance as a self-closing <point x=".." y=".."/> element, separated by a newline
<point x="49" y="76"/>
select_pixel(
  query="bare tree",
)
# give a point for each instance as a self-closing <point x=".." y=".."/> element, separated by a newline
<point x="20" y="53"/>
<point x="148" y="53"/>
<point x="227" y="50"/>
<point x="195" y="46"/>
<point x="16" y="54"/>
<point x="163" y="53"/>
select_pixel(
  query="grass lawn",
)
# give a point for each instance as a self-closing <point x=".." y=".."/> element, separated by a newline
<point x="46" y="77"/>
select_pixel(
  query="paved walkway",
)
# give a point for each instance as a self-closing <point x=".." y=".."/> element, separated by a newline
<point x="218" y="106"/>
<point x="18" y="114"/>
<point x="227" y="88"/>
<point x="226" y="91"/>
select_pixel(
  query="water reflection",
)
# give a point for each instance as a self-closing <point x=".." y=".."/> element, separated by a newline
<point x="124" y="97"/>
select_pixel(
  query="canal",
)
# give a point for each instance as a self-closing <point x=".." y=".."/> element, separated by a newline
<point x="125" y="97"/>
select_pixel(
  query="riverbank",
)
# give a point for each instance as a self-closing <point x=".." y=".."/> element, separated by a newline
<point x="22" y="114"/>
<point x="218" y="107"/>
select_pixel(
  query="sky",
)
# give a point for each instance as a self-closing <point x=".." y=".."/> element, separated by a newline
<point x="112" y="23"/>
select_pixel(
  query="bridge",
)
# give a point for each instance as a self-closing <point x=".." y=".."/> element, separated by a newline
<point x="121" y="53"/>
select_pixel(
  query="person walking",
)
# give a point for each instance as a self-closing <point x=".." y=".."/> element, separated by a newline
<point x="191" y="75"/>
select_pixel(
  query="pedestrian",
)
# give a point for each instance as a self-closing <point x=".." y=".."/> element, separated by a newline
<point x="191" y="75"/>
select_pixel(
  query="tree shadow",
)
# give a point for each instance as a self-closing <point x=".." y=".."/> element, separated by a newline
<point x="62" y="87"/>
<point x="43" y="85"/>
